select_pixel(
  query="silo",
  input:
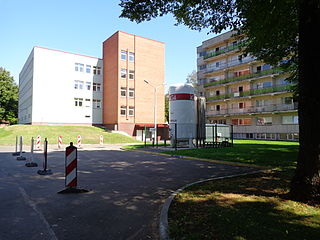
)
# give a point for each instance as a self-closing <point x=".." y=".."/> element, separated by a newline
<point x="182" y="114"/>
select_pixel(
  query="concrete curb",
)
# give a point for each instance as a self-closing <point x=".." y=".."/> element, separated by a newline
<point x="163" y="225"/>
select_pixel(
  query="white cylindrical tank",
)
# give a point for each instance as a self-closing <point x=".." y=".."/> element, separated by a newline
<point x="182" y="112"/>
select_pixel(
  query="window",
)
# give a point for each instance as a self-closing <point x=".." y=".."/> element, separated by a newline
<point x="217" y="49"/>
<point x="241" y="89"/>
<point x="96" y="103"/>
<point x="87" y="102"/>
<point x="287" y="100"/>
<point x="131" y="92"/>
<point x="290" y="120"/>
<point x="241" y="105"/>
<point x="88" y="68"/>
<point x="259" y="103"/>
<point x="123" y="110"/>
<point x="123" y="92"/>
<point x="78" y="102"/>
<point x="78" y="67"/>
<point x="241" y="121"/>
<point x="123" y="73"/>
<point x="96" y="87"/>
<point x="264" y="121"/>
<point x="131" y="111"/>
<point x="78" y="84"/>
<point x="88" y="85"/>
<point x="267" y="84"/>
<point x="96" y="70"/>
<point x="123" y="55"/>
<point x="217" y="107"/>
<point x="131" y="74"/>
<point x="131" y="56"/>
<point x="258" y="69"/>
<point x="217" y="93"/>
<point x="217" y="64"/>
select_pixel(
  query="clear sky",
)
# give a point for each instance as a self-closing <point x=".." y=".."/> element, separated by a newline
<point x="81" y="26"/>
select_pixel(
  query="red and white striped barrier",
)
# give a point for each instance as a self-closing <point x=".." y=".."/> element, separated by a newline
<point x="101" y="140"/>
<point x="38" y="143"/>
<point x="59" y="142"/>
<point x="79" y="141"/>
<point x="71" y="166"/>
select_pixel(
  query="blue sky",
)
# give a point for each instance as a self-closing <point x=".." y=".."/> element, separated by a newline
<point x="80" y="26"/>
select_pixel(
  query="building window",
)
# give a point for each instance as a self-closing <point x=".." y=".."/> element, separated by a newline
<point x="96" y="70"/>
<point x="123" y="92"/>
<point x="87" y="102"/>
<point x="217" y="93"/>
<point x="123" y="73"/>
<point x="290" y="120"/>
<point x="217" y="107"/>
<point x="287" y="100"/>
<point x="131" y="92"/>
<point x="96" y="87"/>
<point x="131" y="111"/>
<point x="78" y="84"/>
<point x="88" y="68"/>
<point x="96" y="103"/>
<point x="78" y="102"/>
<point x="264" y="121"/>
<point x="241" y="121"/>
<point x="241" y="105"/>
<point x="267" y="84"/>
<point x="131" y="74"/>
<point x="123" y="55"/>
<point x="78" y="67"/>
<point x="123" y="110"/>
<point x="217" y="64"/>
<point x="88" y="86"/>
<point x="131" y="56"/>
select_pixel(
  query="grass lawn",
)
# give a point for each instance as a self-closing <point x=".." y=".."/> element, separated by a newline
<point x="89" y="135"/>
<point x="247" y="207"/>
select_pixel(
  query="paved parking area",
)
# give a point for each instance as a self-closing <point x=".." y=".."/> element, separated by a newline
<point x="127" y="192"/>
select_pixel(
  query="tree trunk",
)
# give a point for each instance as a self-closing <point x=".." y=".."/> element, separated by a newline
<point x="305" y="185"/>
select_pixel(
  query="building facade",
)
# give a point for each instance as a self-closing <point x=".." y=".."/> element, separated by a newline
<point x="241" y="91"/>
<point x="61" y="88"/>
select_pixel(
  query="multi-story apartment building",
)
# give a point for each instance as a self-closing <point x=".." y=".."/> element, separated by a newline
<point x="241" y="91"/>
<point x="57" y="87"/>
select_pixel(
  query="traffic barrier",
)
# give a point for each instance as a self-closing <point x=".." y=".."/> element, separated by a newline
<point x="71" y="173"/>
<point x="16" y="153"/>
<point x="45" y="170"/>
<point x="79" y="141"/>
<point x="59" y="142"/>
<point x="38" y="143"/>
<point x="21" y="158"/>
<point x="30" y="162"/>
<point x="101" y="140"/>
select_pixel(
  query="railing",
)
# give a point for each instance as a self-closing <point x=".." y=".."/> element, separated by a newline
<point x="244" y="77"/>
<point x="225" y="50"/>
<point x="253" y="92"/>
<point x="255" y="109"/>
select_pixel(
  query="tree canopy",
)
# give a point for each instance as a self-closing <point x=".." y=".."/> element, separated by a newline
<point x="8" y="97"/>
<point x="275" y="31"/>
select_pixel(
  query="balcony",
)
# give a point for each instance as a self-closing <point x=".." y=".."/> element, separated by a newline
<point x="244" y="77"/>
<point x="255" y="109"/>
<point x="225" y="50"/>
<point x="253" y="92"/>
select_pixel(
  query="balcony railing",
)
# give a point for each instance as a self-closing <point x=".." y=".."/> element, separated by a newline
<point x="253" y="92"/>
<point x="255" y="109"/>
<point x="244" y="77"/>
<point x="225" y="50"/>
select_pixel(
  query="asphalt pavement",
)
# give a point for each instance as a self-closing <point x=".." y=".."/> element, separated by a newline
<point x="127" y="190"/>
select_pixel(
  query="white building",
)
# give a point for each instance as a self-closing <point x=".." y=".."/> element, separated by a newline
<point x="58" y="87"/>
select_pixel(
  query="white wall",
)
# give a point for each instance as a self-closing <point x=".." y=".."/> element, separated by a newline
<point x="53" y="88"/>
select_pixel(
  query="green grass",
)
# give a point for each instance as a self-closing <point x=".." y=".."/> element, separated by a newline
<point x="276" y="154"/>
<point x="247" y="207"/>
<point x="89" y="135"/>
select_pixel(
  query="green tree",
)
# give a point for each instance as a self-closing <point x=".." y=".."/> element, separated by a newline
<point x="276" y="30"/>
<point x="166" y="107"/>
<point x="8" y="97"/>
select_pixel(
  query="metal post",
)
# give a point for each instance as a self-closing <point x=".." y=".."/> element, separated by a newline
<point x="31" y="163"/>
<point x="45" y="171"/>
<point x="175" y="137"/>
<point x="145" y="136"/>
<point x="231" y="135"/>
<point x="16" y="153"/>
<point x="21" y="158"/>
<point x="213" y="136"/>
<point x="216" y="133"/>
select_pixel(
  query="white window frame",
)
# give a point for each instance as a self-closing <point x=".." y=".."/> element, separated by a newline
<point x="88" y="86"/>
<point x="131" y="74"/>
<point x="123" y="110"/>
<point x="123" y="73"/>
<point x="131" y="111"/>
<point x="131" y="56"/>
<point x="96" y="87"/>
<point x="78" y="102"/>
<point x="96" y="70"/>
<point x="123" y="55"/>
<point x="96" y="103"/>
<point x="88" y="68"/>
<point x="123" y="92"/>
<point x="131" y="92"/>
